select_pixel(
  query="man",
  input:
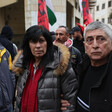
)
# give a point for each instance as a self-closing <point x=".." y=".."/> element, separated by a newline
<point x="5" y="39"/>
<point x="62" y="36"/>
<point x="78" y="39"/>
<point x="7" y="81"/>
<point x="95" y="90"/>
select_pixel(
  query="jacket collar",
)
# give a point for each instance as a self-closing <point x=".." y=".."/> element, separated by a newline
<point x="109" y="65"/>
<point x="61" y="60"/>
<point x="86" y="63"/>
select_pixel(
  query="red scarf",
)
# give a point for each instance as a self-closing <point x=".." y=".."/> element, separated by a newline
<point x="29" y="97"/>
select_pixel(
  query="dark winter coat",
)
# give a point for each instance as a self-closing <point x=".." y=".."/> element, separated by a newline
<point x="75" y="57"/>
<point x="57" y="78"/>
<point x="100" y="95"/>
<point x="79" y="45"/>
<point x="7" y="81"/>
<point x="8" y="45"/>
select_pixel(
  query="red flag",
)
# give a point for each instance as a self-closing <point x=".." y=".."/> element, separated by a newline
<point x="86" y="13"/>
<point x="42" y="14"/>
<point x="82" y="27"/>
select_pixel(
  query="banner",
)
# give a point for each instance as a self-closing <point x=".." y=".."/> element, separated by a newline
<point x="82" y="27"/>
<point x="86" y="13"/>
<point x="42" y="14"/>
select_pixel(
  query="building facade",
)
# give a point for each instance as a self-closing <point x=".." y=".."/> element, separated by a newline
<point x="103" y="11"/>
<point x="21" y="14"/>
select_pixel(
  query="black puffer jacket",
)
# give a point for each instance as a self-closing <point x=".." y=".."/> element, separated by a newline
<point x="57" y="78"/>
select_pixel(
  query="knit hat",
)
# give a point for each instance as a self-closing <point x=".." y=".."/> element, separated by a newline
<point x="7" y="32"/>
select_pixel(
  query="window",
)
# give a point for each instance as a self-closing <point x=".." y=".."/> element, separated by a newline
<point x="103" y="6"/>
<point x="75" y="4"/>
<point x="103" y="20"/>
<point x="109" y="20"/>
<point x="79" y="9"/>
<point x="97" y="8"/>
<point x="109" y="3"/>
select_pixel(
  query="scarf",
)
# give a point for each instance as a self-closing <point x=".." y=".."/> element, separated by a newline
<point x="29" y="97"/>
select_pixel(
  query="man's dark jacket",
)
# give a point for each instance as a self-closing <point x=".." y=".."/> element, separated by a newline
<point x="7" y="81"/>
<point x="100" y="95"/>
<point x="79" y="45"/>
<point x="8" y="45"/>
<point x="75" y="57"/>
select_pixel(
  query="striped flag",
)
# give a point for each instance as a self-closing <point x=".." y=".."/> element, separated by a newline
<point x="50" y="11"/>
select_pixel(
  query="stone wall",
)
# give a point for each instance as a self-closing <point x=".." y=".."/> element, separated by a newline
<point x="31" y="11"/>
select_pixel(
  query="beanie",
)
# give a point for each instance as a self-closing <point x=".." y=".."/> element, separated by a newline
<point x="7" y="32"/>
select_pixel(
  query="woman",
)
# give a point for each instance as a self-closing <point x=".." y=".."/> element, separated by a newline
<point x="44" y="73"/>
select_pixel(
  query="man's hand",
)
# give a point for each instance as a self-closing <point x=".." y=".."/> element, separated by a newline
<point x="64" y="104"/>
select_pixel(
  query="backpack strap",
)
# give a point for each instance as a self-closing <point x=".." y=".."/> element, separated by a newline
<point x="2" y="53"/>
<point x="10" y="62"/>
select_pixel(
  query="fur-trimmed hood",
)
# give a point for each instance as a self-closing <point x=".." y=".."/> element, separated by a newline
<point x="60" y="63"/>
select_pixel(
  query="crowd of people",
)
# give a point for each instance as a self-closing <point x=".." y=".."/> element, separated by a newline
<point x="61" y="71"/>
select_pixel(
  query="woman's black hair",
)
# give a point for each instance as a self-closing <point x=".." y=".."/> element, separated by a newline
<point x="33" y="34"/>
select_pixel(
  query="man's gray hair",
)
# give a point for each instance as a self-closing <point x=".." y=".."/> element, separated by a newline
<point x="66" y="28"/>
<point x="99" y="25"/>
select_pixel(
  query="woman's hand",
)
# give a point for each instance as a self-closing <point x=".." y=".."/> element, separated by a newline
<point x="64" y="104"/>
